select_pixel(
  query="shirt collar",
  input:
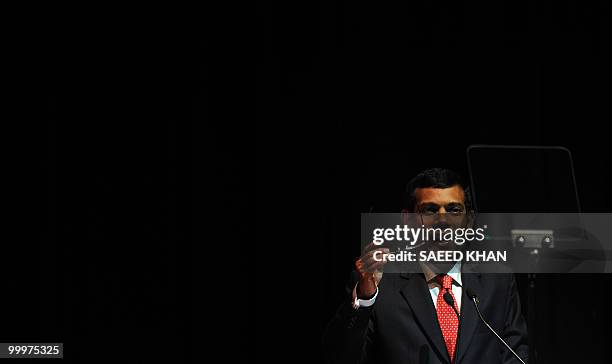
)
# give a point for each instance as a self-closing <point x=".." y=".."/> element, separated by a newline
<point x="454" y="273"/>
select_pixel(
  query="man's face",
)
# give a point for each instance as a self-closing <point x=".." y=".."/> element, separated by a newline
<point x="441" y="207"/>
<point x="440" y="200"/>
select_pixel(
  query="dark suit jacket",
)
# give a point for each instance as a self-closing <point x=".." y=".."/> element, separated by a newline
<point x="402" y="326"/>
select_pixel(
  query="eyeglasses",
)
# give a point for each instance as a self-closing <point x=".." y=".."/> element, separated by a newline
<point x="431" y="211"/>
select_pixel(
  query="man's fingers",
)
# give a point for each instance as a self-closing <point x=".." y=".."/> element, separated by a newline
<point x="367" y="261"/>
<point x="369" y="247"/>
<point x="359" y="264"/>
<point x="371" y="261"/>
<point x="376" y="266"/>
<point x="370" y="254"/>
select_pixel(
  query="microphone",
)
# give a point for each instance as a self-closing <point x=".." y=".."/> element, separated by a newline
<point x="451" y="302"/>
<point x="475" y="299"/>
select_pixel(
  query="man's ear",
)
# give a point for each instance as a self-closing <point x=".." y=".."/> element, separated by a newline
<point x="470" y="217"/>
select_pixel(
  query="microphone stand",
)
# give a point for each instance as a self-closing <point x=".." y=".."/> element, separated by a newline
<point x="474" y="299"/>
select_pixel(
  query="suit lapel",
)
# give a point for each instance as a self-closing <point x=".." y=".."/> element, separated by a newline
<point x="416" y="293"/>
<point x="469" y="318"/>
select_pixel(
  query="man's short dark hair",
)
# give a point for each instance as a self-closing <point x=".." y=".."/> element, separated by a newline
<point x="435" y="178"/>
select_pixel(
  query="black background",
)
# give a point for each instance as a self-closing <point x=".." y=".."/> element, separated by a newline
<point x="175" y="192"/>
<point x="365" y="95"/>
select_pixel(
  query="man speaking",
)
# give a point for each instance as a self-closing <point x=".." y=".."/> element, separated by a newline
<point x="431" y="316"/>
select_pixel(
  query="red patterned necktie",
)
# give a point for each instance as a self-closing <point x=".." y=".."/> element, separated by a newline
<point x="449" y="322"/>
